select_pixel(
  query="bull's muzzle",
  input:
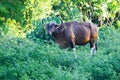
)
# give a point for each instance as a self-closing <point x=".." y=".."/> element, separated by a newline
<point x="49" y="32"/>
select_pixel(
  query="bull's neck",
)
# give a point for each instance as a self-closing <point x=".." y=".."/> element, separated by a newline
<point x="57" y="32"/>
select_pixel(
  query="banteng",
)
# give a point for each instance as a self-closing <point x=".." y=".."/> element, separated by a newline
<point x="74" y="33"/>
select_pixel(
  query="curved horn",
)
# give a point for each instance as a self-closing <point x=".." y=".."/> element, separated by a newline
<point x="43" y="21"/>
<point x="61" y="21"/>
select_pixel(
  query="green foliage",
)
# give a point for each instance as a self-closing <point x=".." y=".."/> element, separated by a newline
<point x="105" y="31"/>
<point x="22" y="14"/>
<point x="118" y="24"/>
<point x="67" y="10"/>
<point x="37" y="57"/>
<point x="97" y="11"/>
<point x="26" y="59"/>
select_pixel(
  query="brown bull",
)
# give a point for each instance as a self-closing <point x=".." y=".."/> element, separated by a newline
<point x="74" y="33"/>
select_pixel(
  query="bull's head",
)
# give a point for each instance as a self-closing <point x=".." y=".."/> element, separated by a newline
<point x="51" y="27"/>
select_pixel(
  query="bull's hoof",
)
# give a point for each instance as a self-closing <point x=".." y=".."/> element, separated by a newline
<point x="75" y="55"/>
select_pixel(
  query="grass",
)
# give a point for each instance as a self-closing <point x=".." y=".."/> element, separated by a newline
<point x="25" y="59"/>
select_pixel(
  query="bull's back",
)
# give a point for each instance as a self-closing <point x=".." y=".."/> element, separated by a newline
<point x="82" y="32"/>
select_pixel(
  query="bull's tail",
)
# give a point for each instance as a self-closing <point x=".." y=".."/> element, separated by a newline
<point x="96" y="46"/>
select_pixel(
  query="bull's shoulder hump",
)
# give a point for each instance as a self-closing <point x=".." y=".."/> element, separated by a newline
<point x="67" y="25"/>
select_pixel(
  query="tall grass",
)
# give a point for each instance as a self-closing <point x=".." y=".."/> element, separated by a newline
<point x="25" y="59"/>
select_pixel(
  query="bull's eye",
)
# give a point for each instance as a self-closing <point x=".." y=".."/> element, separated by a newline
<point x="50" y="27"/>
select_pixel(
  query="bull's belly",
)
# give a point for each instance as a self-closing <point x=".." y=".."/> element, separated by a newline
<point x="79" y="43"/>
<point x="82" y="41"/>
<point x="63" y="44"/>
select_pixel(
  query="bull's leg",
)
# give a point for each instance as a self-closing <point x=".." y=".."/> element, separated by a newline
<point x="92" y="51"/>
<point x="66" y="50"/>
<point x="93" y="47"/>
<point x="72" y="44"/>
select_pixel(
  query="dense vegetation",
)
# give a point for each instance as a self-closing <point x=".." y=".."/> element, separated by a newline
<point x="25" y="59"/>
<point x="28" y="53"/>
